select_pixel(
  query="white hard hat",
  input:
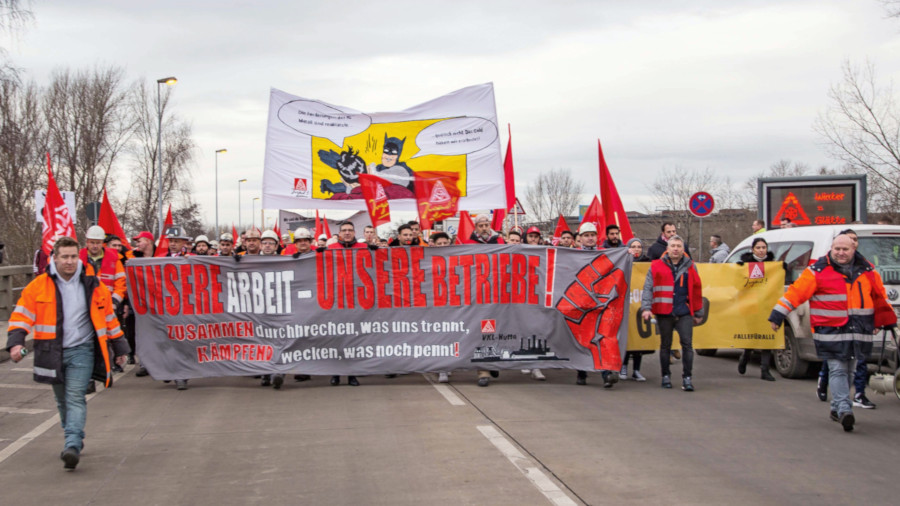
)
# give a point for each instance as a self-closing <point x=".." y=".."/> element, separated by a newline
<point x="269" y="234"/>
<point x="587" y="227"/>
<point x="202" y="238"/>
<point x="323" y="237"/>
<point x="95" y="232"/>
<point x="302" y="233"/>
<point x="226" y="237"/>
<point x="214" y="245"/>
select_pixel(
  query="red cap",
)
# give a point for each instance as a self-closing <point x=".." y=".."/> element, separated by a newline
<point x="146" y="234"/>
<point x="533" y="230"/>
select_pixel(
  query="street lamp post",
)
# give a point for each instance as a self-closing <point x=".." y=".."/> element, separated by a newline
<point x="253" y="216"/>
<point x="240" y="224"/>
<point x="223" y="150"/>
<point x="167" y="81"/>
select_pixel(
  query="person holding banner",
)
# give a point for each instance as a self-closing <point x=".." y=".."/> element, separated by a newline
<point x="226" y="245"/>
<point x="347" y="239"/>
<point x="759" y="252"/>
<point x="513" y="237"/>
<point x="674" y="294"/>
<point x="533" y="236"/>
<point x="251" y="242"/>
<point x="269" y="247"/>
<point x="566" y="239"/>
<point x="588" y="234"/>
<point x="636" y="248"/>
<point x="847" y="304"/>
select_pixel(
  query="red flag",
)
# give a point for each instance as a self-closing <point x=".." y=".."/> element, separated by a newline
<point x="110" y="223"/>
<point x="508" y="174"/>
<point x="612" y="203"/>
<point x="561" y="226"/>
<point x="162" y="247"/>
<point x="319" y="229"/>
<point x="278" y="233"/>
<point x="466" y="228"/>
<point x="376" y="200"/>
<point x="594" y="214"/>
<point x="437" y="196"/>
<point x="325" y="226"/>
<point x="234" y="234"/>
<point x="57" y="220"/>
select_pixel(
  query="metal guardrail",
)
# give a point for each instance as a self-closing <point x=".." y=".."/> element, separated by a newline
<point x="10" y="276"/>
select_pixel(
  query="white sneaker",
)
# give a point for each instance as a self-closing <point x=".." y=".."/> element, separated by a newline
<point x="526" y="371"/>
<point x="637" y="376"/>
<point x="624" y="372"/>
<point x="538" y="375"/>
<point x="443" y="377"/>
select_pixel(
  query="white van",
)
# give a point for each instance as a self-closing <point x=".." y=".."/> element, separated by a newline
<point x="801" y="246"/>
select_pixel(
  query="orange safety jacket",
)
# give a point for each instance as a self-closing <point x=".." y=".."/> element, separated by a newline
<point x="112" y="272"/>
<point x="39" y="310"/>
<point x="842" y="309"/>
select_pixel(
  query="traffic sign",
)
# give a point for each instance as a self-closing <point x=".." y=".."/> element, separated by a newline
<point x="702" y="204"/>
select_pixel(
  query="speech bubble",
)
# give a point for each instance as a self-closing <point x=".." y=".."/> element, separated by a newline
<point x="456" y="136"/>
<point x="322" y="120"/>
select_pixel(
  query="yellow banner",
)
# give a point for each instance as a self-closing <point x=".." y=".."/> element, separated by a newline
<point x="737" y="301"/>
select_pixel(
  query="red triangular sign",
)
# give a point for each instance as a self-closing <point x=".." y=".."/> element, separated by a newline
<point x="791" y="208"/>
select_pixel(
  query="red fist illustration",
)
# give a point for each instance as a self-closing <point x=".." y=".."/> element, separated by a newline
<point x="594" y="305"/>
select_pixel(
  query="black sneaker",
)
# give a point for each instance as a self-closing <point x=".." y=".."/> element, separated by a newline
<point x="483" y="382"/>
<point x="181" y="384"/>
<point x="847" y="420"/>
<point x="70" y="458"/>
<point x="581" y="378"/>
<point x="822" y="390"/>
<point x="277" y="381"/>
<point x="142" y="372"/>
<point x="835" y="417"/>
<point x="666" y="381"/>
<point x="302" y="377"/>
<point x="686" y="384"/>
<point x="266" y="380"/>
<point x="610" y="378"/>
<point x="335" y="381"/>
<point x="352" y="381"/>
<point x="117" y="368"/>
<point x="861" y="401"/>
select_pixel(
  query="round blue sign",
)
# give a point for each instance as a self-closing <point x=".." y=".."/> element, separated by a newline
<point x="702" y="204"/>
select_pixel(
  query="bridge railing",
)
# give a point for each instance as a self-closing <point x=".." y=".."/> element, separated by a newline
<point x="13" y="279"/>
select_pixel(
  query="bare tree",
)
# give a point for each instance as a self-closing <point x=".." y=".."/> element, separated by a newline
<point x="178" y="148"/>
<point x="862" y="129"/>
<point x="13" y="17"/>
<point x="89" y="127"/>
<point x="23" y="140"/>
<point x="553" y="193"/>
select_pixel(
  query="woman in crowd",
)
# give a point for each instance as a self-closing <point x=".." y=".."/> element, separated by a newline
<point x="636" y="248"/>
<point x="759" y="252"/>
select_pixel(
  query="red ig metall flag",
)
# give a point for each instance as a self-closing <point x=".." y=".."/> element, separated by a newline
<point x="376" y="200"/>
<point x="57" y="220"/>
<point x="437" y="196"/>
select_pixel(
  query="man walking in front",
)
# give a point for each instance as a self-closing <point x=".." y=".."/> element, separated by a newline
<point x="673" y="293"/>
<point x="847" y="303"/>
<point x="72" y="318"/>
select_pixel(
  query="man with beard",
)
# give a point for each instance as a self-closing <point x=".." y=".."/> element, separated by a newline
<point x="483" y="233"/>
<point x="201" y="245"/>
<point x="613" y="237"/>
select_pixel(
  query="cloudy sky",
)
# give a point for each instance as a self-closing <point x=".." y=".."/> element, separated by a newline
<point x="733" y="86"/>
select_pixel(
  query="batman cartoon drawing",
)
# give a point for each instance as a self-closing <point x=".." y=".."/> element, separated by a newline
<point x="348" y="164"/>
<point x="390" y="167"/>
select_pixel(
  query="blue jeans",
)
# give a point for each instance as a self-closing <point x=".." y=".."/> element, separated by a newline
<point x="78" y="363"/>
<point x="839" y="381"/>
<point x="860" y="377"/>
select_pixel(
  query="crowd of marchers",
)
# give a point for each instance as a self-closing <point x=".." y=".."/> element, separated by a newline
<point x="83" y="327"/>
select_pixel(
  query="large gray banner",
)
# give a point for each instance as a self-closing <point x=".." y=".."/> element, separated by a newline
<point x="395" y="310"/>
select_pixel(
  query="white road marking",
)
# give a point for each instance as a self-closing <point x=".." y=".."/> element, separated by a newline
<point x="27" y="438"/>
<point x="444" y="390"/>
<point x="537" y="477"/>
<point x="23" y="411"/>
<point x="26" y="387"/>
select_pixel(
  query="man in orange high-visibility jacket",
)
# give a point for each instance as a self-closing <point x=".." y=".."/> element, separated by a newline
<point x="72" y="318"/>
<point x="847" y="303"/>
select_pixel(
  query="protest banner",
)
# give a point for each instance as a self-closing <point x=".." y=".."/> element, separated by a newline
<point x="316" y="151"/>
<point x="390" y="310"/>
<point x="737" y="300"/>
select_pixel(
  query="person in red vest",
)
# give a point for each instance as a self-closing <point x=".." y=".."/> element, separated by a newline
<point x="847" y="304"/>
<point x="673" y="293"/>
<point x="105" y="264"/>
<point x="346" y="239"/>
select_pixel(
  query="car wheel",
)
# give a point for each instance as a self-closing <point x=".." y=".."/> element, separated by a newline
<point x="707" y="352"/>
<point x="787" y="361"/>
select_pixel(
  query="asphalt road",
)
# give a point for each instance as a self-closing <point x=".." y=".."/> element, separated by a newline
<point x="736" y="440"/>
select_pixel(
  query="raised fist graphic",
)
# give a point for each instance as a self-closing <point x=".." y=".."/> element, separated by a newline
<point x="594" y="305"/>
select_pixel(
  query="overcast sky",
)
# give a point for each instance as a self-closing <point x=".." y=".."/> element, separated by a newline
<point x="734" y="86"/>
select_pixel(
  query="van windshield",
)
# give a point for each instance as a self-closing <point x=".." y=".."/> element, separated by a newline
<point x="884" y="253"/>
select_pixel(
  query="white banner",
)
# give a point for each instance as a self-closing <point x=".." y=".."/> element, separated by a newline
<point x="315" y="151"/>
<point x="41" y="195"/>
